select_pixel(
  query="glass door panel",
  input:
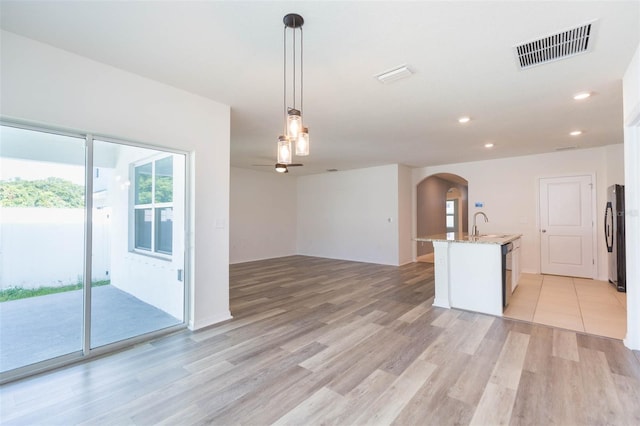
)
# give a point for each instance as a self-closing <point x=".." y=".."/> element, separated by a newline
<point x="42" y="195"/>
<point x="138" y="241"/>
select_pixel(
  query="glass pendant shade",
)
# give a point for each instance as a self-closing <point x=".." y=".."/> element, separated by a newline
<point x="294" y="123"/>
<point x="302" y="142"/>
<point x="284" y="150"/>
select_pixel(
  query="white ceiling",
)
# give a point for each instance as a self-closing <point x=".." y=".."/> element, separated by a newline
<point x="461" y="52"/>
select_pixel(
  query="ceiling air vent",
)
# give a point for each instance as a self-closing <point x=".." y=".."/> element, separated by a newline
<point x="395" y="74"/>
<point x="554" y="47"/>
<point x="566" y="148"/>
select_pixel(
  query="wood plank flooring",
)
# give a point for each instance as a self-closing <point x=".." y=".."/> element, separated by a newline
<point x="328" y="342"/>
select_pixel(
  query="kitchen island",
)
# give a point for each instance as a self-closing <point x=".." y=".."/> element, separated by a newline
<point x="469" y="270"/>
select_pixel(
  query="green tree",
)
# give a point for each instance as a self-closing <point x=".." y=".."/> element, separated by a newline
<point x="50" y="192"/>
<point x="164" y="189"/>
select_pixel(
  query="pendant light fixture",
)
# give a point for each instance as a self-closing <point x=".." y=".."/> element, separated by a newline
<point x="294" y="131"/>
<point x="302" y="143"/>
<point x="284" y="150"/>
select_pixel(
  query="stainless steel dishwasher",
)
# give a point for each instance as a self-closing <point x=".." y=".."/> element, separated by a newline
<point x="507" y="266"/>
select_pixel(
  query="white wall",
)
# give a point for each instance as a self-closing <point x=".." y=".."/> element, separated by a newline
<point x="631" y="90"/>
<point x="350" y="215"/>
<point x="631" y="105"/>
<point x="49" y="86"/>
<point x="509" y="190"/>
<point x="152" y="279"/>
<point x="405" y="210"/>
<point x="263" y="215"/>
<point x="614" y="155"/>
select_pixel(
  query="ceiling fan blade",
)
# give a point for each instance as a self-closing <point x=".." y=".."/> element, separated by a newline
<point x="276" y="165"/>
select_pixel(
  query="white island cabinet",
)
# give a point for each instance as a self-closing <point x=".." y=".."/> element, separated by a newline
<point x="468" y="270"/>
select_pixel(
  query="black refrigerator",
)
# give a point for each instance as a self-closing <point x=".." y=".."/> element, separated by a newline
<point x="614" y="235"/>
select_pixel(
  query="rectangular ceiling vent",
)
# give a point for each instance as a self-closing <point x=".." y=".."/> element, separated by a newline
<point x="566" y="148"/>
<point x="395" y="74"/>
<point x="554" y="47"/>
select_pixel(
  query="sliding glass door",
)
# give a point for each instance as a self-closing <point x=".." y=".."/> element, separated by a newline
<point x="138" y="241"/>
<point x="42" y="200"/>
<point x="79" y="271"/>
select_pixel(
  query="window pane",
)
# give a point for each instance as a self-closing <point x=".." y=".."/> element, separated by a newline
<point x="164" y="180"/>
<point x="143" y="228"/>
<point x="450" y="207"/>
<point x="142" y="285"/>
<point x="143" y="184"/>
<point x="164" y="230"/>
<point x="42" y="233"/>
<point x="450" y="222"/>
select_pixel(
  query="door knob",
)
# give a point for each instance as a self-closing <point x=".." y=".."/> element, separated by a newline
<point x="544" y="230"/>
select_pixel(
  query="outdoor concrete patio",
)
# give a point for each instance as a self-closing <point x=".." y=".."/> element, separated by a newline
<point x="40" y="328"/>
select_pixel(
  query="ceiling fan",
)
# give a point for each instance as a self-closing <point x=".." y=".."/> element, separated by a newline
<point x="280" y="167"/>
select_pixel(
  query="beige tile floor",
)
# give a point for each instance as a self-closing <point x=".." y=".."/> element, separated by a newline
<point x="590" y="306"/>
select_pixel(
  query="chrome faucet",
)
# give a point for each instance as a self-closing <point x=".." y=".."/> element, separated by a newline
<point x="474" y="230"/>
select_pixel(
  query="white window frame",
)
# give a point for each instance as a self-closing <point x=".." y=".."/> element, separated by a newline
<point x="454" y="228"/>
<point x="153" y="206"/>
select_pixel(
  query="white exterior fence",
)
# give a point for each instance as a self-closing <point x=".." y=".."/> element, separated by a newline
<point x="45" y="246"/>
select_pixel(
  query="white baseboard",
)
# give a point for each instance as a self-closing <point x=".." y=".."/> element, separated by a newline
<point x="441" y="303"/>
<point x="632" y="342"/>
<point x="206" y="322"/>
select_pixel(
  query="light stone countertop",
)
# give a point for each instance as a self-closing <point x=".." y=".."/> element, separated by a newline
<point x="463" y="237"/>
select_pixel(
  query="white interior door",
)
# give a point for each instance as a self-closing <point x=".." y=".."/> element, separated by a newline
<point x="566" y="226"/>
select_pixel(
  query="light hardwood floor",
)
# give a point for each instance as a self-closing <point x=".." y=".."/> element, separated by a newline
<point x="318" y="341"/>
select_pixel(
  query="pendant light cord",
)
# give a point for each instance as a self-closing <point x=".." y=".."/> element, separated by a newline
<point x="301" y="71"/>
<point x="284" y="84"/>
<point x="294" y="63"/>
<point x="293" y="25"/>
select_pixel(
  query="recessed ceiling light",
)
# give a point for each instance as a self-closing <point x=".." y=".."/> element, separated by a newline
<point x="576" y="133"/>
<point x="463" y="120"/>
<point x="582" y="95"/>
<point x="488" y="145"/>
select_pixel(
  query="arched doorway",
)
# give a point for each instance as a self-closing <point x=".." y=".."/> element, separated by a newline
<point x="442" y="206"/>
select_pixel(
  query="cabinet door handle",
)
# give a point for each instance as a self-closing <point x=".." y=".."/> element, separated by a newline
<point x="543" y="231"/>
